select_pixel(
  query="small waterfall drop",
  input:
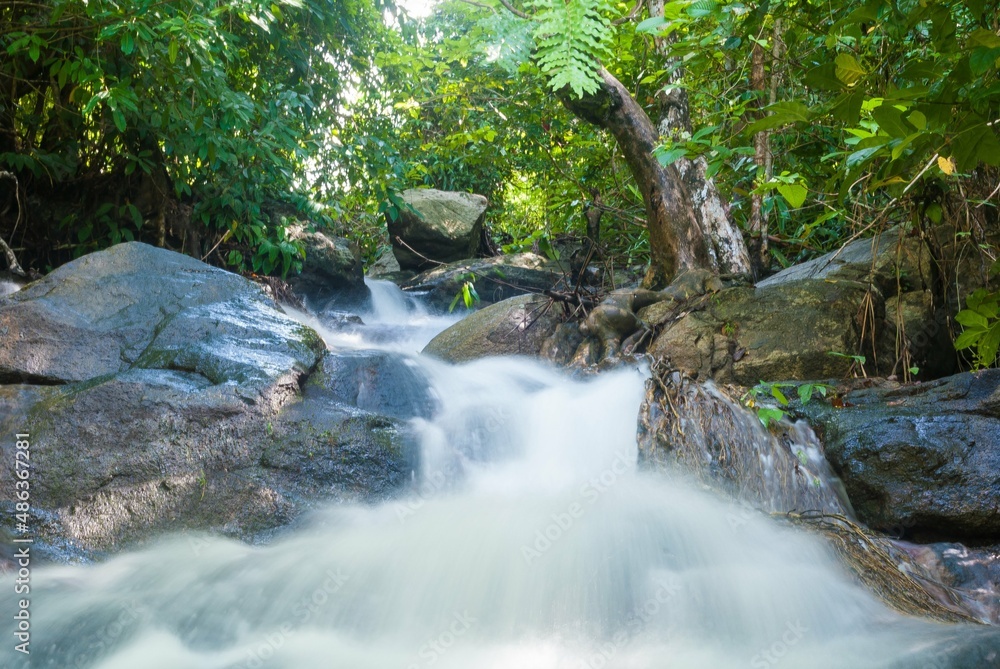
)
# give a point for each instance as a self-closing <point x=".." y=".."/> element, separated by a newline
<point x="530" y="541"/>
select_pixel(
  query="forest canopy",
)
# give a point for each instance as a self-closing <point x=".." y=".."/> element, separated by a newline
<point x="211" y="126"/>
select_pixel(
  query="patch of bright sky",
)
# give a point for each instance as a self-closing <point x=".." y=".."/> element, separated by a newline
<point x="417" y="8"/>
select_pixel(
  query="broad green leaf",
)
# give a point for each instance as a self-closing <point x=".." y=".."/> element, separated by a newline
<point x="983" y="58"/>
<point x="670" y="156"/>
<point x="890" y="120"/>
<point x="989" y="344"/>
<point x="823" y="78"/>
<point x="917" y="119"/>
<point x="847" y="108"/>
<point x="651" y="25"/>
<point x="767" y="415"/>
<point x="971" y="319"/>
<point x="795" y="194"/>
<point x="847" y="69"/>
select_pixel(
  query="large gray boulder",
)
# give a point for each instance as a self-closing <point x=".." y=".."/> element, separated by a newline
<point x="332" y="270"/>
<point x="110" y="311"/>
<point x="922" y="458"/>
<point x="895" y="261"/>
<point x="517" y="326"/>
<point x="776" y="332"/>
<point x="496" y="279"/>
<point x="160" y="393"/>
<point x="439" y="225"/>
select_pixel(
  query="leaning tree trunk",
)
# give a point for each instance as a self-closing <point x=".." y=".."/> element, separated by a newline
<point x="676" y="239"/>
<point x="726" y="242"/>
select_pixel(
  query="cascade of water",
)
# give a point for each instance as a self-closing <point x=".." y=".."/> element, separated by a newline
<point x="531" y="542"/>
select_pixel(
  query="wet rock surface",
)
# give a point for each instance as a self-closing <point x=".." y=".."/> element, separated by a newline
<point x="924" y="458"/>
<point x="161" y="393"/>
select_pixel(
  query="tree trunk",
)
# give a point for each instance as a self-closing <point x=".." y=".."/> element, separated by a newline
<point x="726" y="242"/>
<point x="676" y="239"/>
<point x="758" y="220"/>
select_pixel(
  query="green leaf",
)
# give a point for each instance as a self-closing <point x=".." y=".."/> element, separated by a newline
<point x="669" y="157"/>
<point x="128" y="43"/>
<point x="823" y="78"/>
<point x="767" y="415"/>
<point x="988" y="345"/>
<point x="119" y="119"/>
<point x="967" y="339"/>
<point x="982" y="59"/>
<point x="890" y="120"/>
<point x="970" y="318"/>
<point x="847" y="108"/>
<point x="847" y="69"/>
<point x="778" y="395"/>
<point x="795" y="194"/>
<point x="651" y="25"/>
<point x="172" y="50"/>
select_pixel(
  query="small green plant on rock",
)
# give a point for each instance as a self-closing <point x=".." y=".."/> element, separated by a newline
<point x="980" y="327"/>
<point x="768" y="414"/>
<point x="467" y="293"/>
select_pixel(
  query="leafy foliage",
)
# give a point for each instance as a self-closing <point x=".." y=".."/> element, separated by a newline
<point x="981" y="327"/>
<point x="771" y="414"/>
<point x="200" y="113"/>
<point x="572" y="39"/>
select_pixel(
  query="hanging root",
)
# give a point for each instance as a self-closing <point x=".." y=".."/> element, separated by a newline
<point x="12" y="264"/>
<point x="887" y="572"/>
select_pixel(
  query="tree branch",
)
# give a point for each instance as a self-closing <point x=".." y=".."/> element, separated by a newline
<point x="631" y="15"/>
<point x="512" y="9"/>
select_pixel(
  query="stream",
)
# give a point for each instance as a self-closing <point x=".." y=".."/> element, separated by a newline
<point x="529" y="541"/>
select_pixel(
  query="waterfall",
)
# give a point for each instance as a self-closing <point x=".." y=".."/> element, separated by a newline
<point x="529" y="541"/>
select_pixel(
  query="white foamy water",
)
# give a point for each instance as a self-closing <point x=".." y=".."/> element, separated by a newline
<point x="530" y="543"/>
<point x="8" y="287"/>
<point x="395" y="321"/>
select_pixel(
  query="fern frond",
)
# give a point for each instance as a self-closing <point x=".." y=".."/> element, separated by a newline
<point x="572" y="37"/>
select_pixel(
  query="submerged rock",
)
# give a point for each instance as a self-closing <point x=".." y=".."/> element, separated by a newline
<point x="161" y="393"/>
<point x="436" y="226"/>
<point x="923" y="458"/>
<point x="518" y="326"/>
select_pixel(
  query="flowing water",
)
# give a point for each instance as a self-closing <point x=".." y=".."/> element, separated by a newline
<point x="8" y="287"/>
<point x="529" y="542"/>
